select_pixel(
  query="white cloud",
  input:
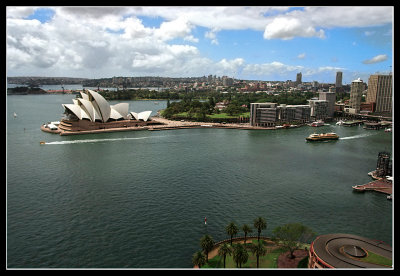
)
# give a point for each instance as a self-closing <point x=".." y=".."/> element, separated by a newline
<point x="19" y="12"/>
<point x="304" y="23"/>
<point x="178" y="28"/>
<point x="103" y="41"/>
<point x="376" y="59"/>
<point x="301" y="56"/>
<point x="272" y="68"/>
<point x="287" y="28"/>
<point x="212" y="35"/>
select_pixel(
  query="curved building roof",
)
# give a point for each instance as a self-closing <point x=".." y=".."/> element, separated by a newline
<point x="141" y="116"/>
<point x="342" y="250"/>
<point x="102" y="104"/>
<point x="92" y="106"/>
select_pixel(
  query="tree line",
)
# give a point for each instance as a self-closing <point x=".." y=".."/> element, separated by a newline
<point x="241" y="98"/>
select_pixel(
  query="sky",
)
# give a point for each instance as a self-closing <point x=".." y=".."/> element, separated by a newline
<point x="252" y="43"/>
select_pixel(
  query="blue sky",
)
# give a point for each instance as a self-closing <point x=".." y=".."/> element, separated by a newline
<point x="263" y="43"/>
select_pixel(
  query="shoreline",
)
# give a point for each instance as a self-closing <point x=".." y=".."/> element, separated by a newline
<point x="164" y="124"/>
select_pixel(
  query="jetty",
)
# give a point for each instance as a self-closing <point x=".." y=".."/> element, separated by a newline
<point x="352" y="123"/>
<point x="381" y="185"/>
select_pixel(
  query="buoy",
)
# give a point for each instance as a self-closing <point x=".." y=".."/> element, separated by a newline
<point x="42" y="142"/>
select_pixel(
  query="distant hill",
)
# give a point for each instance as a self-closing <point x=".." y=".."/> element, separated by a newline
<point x="24" y="90"/>
<point x="35" y="81"/>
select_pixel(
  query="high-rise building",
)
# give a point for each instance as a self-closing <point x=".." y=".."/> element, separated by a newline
<point x="357" y="87"/>
<point x="330" y="97"/>
<point x="380" y="92"/>
<point x="339" y="76"/>
<point x="298" y="78"/>
<point x="319" y="109"/>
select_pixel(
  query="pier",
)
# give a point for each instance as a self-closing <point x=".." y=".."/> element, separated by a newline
<point x="381" y="185"/>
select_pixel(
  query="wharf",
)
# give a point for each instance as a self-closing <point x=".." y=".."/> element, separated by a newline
<point x="352" y="123"/>
<point x="381" y="185"/>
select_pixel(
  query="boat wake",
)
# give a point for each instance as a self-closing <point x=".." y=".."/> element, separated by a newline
<point x="93" y="141"/>
<point x="356" y="136"/>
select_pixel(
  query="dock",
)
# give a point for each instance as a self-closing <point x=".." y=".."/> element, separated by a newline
<point x="352" y="123"/>
<point x="381" y="185"/>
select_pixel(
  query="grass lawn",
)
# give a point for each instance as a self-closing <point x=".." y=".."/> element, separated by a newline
<point x="373" y="258"/>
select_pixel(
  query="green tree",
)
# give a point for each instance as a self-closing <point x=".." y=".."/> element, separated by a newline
<point x="224" y="250"/>
<point x="258" y="249"/>
<point x="231" y="229"/>
<point x="240" y="255"/>
<point x="206" y="243"/>
<point x="199" y="259"/>
<point x="292" y="234"/>
<point x="212" y="103"/>
<point x="246" y="229"/>
<point x="260" y="224"/>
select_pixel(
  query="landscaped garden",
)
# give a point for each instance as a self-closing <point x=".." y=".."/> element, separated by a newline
<point x="288" y="248"/>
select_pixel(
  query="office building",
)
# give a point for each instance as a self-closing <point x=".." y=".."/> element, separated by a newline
<point x="380" y="89"/>
<point x="357" y="88"/>
<point x="318" y="109"/>
<point x="339" y="76"/>
<point x="270" y="114"/>
<point x="263" y="114"/>
<point x="298" y="78"/>
<point x="330" y="97"/>
<point x="294" y="113"/>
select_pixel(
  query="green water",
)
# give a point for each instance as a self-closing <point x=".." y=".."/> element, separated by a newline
<point x="138" y="199"/>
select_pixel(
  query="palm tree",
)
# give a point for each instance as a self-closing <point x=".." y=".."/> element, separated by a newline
<point x="259" y="250"/>
<point x="246" y="229"/>
<point x="199" y="259"/>
<point x="224" y="250"/>
<point x="260" y="224"/>
<point x="231" y="229"/>
<point x="207" y="243"/>
<point x="240" y="255"/>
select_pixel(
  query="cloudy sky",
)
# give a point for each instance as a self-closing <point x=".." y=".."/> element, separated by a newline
<point x="263" y="43"/>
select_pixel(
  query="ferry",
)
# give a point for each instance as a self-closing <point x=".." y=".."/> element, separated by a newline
<point x="317" y="123"/>
<point x="322" y="137"/>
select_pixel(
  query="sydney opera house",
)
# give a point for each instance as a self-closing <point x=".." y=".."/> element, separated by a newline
<point x="92" y="113"/>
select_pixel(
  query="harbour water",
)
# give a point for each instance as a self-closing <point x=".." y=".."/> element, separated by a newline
<point x="138" y="199"/>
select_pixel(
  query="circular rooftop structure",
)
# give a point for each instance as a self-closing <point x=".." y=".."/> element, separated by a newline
<point x="354" y="251"/>
<point x="346" y="251"/>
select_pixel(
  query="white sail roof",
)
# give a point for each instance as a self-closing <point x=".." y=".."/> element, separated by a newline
<point x="134" y="115"/>
<point x="88" y="107"/>
<point x="103" y="106"/>
<point x="121" y="108"/>
<point x="93" y="106"/>
<point x="144" y="115"/>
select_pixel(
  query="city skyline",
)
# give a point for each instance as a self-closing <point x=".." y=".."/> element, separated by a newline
<point x="260" y="43"/>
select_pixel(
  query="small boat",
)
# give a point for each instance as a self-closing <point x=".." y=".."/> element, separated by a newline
<point x="388" y="129"/>
<point x="389" y="197"/>
<point x="339" y="123"/>
<point x="15" y="115"/>
<point x="322" y="137"/>
<point x="42" y="142"/>
<point x="317" y="123"/>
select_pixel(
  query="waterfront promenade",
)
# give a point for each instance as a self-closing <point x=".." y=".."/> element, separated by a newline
<point x="159" y="124"/>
